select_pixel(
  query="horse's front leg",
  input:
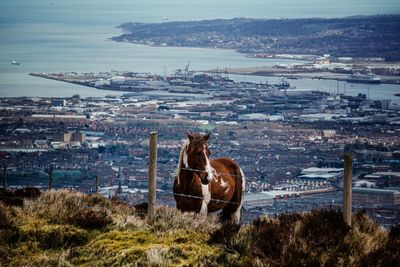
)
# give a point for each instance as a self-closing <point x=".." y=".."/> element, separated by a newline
<point x="204" y="209"/>
<point x="206" y="199"/>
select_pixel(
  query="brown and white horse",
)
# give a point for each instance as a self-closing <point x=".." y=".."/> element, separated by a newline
<point x="203" y="185"/>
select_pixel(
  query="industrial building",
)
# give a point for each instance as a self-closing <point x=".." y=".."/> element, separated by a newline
<point x="320" y="174"/>
<point x="376" y="196"/>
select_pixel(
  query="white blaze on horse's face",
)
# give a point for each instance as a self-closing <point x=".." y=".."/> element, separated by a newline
<point x="206" y="174"/>
<point x="208" y="169"/>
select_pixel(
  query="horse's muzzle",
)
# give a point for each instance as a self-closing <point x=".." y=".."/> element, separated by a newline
<point x="204" y="178"/>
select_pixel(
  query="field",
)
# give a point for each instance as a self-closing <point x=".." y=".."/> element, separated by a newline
<point x="67" y="228"/>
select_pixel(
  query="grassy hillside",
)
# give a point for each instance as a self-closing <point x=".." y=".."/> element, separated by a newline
<point x="66" y="228"/>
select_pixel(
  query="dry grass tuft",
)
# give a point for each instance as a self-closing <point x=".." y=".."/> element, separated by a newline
<point x="16" y="197"/>
<point x="157" y="257"/>
<point x="52" y="259"/>
<point x="388" y="254"/>
<point x="8" y="229"/>
<point x="70" y="207"/>
<point x="365" y="237"/>
<point x="127" y="221"/>
<point x="169" y="219"/>
<point x="8" y="220"/>
<point x="40" y="258"/>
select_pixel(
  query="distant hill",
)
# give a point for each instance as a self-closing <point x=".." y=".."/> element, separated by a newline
<point x="367" y="36"/>
<point x="66" y="228"/>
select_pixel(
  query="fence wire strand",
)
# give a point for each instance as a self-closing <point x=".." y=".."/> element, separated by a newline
<point x="211" y="199"/>
<point x="216" y="173"/>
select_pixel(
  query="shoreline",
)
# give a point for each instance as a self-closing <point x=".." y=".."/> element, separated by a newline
<point x="300" y="74"/>
<point x="276" y="56"/>
<point x="280" y="72"/>
<point x="88" y="84"/>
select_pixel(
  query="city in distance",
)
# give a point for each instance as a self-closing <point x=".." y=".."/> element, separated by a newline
<point x="285" y="92"/>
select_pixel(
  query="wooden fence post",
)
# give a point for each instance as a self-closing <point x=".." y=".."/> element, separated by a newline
<point x="5" y="176"/>
<point x="347" y="186"/>
<point x="50" y="177"/>
<point x="152" y="177"/>
<point x="97" y="184"/>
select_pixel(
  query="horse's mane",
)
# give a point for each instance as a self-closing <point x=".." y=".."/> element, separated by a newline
<point x="183" y="159"/>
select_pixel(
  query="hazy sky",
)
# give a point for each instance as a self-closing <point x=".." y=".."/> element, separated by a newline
<point x="116" y="11"/>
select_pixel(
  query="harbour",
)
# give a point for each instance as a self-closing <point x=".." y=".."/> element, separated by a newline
<point x="148" y="84"/>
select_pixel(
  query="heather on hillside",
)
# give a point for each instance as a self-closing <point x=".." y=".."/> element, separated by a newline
<point x="67" y="228"/>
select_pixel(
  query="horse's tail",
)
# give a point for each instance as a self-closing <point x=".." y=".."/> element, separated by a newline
<point x="231" y="212"/>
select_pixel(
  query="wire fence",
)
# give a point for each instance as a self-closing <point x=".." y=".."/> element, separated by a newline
<point x="93" y="187"/>
<point x="89" y="186"/>
<point x="26" y="182"/>
<point x="152" y="186"/>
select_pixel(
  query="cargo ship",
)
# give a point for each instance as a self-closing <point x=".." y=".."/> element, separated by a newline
<point x="363" y="78"/>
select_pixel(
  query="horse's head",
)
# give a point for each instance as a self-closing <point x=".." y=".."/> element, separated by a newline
<point x="198" y="156"/>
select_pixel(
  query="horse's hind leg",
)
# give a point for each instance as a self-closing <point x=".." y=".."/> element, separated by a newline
<point x="235" y="217"/>
<point x="231" y="213"/>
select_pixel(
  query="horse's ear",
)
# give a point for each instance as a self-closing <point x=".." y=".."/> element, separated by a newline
<point x="207" y="136"/>
<point x="190" y="135"/>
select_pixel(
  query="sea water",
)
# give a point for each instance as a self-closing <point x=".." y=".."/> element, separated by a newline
<point x="62" y="36"/>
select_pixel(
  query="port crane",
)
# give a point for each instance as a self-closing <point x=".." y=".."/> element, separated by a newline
<point x="186" y="73"/>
